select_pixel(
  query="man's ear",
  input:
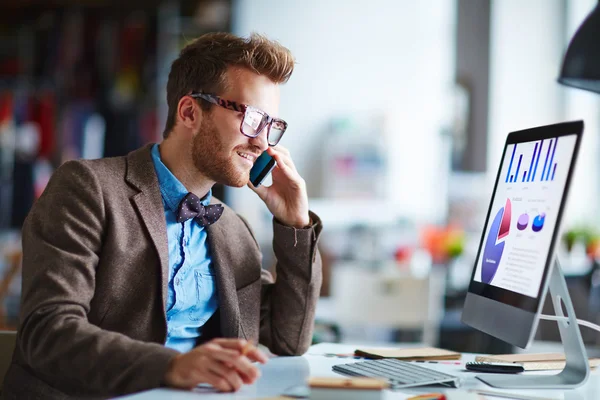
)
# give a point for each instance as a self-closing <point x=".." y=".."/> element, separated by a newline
<point x="188" y="112"/>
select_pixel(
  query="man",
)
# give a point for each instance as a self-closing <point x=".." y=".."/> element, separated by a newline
<point x="134" y="276"/>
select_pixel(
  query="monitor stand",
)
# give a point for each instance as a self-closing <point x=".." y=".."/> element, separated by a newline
<point x="577" y="369"/>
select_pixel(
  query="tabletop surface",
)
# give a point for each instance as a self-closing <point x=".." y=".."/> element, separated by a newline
<point x="287" y="375"/>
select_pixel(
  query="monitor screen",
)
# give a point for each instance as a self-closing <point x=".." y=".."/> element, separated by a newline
<point x="516" y="251"/>
<point x="523" y="214"/>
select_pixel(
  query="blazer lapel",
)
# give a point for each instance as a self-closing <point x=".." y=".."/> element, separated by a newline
<point x="226" y="287"/>
<point x="141" y="174"/>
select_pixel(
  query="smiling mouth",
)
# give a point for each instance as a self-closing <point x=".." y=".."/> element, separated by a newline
<point x="247" y="156"/>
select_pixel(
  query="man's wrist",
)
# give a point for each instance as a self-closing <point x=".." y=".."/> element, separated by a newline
<point x="302" y="224"/>
<point x="168" y="379"/>
<point x="310" y="223"/>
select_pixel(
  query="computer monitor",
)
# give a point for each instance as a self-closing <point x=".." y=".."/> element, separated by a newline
<point x="516" y="252"/>
<point x="515" y="262"/>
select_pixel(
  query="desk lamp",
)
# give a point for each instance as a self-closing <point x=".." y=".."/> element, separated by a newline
<point x="581" y="65"/>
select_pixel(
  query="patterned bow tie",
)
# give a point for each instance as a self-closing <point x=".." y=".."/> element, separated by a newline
<point x="191" y="207"/>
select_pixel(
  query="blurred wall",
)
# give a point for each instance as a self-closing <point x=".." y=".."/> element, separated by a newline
<point x="526" y="45"/>
<point x="360" y="57"/>
<point x="579" y="104"/>
<point x="528" y="41"/>
<point x="473" y="71"/>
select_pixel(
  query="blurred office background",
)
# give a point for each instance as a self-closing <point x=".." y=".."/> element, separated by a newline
<point x="397" y="115"/>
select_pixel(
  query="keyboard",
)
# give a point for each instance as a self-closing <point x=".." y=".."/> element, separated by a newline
<point x="400" y="374"/>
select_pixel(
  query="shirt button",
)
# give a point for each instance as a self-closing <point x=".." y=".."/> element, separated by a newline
<point x="177" y="281"/>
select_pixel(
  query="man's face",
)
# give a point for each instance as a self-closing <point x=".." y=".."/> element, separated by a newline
<point x="219" y="150"/>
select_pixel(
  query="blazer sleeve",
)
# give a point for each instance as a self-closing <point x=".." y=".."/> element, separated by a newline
<point x="62" y="240"/>
<point x="288" y="304"/>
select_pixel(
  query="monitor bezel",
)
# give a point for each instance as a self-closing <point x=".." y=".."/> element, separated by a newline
<point x="523" y="302"/>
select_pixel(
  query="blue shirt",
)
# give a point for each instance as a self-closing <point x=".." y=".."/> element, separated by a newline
<point x="192" y="293"/>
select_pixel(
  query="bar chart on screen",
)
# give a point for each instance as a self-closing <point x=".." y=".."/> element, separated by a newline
<point x="532" y="162"/>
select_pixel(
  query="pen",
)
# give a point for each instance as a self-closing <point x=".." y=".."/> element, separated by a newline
<point x="440" y="362"/>
<point x="348" y="355"/>
<point x="246" y="348"/>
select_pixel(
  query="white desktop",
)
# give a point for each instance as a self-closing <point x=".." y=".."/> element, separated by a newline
<point x="287" y="376"/>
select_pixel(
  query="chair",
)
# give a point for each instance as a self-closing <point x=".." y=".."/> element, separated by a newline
<point x="8" y="337"/>
<point x="14" y="266"/>
<point x="8" y="341"/>
<point x="388" y="298"/>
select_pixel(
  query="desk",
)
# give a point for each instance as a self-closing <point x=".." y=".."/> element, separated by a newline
<point x="284" y="374"/>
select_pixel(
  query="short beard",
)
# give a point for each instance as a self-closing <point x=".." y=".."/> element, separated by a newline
<point x="212" y="159"/>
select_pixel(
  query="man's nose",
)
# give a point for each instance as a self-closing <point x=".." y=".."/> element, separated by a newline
<point x="261" y="141"/>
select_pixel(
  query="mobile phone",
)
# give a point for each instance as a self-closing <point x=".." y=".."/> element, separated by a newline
<point x="495" y="367"/>
<point x="262" y="166"/>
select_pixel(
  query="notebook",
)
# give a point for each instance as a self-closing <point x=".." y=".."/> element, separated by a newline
<point x="346" y="388"/>
<point x="409" y="354"/>
<point x="534" y="362"/>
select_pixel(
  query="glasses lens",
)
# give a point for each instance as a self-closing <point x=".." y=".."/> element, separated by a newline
<point x="253" y="123"/>
<point x="276" y="132"/>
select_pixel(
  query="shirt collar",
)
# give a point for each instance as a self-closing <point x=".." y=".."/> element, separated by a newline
<point x="171" y="189"/>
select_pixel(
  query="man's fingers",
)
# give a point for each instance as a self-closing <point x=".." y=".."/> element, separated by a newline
<point x="220" y="362"/>
<point x="218" y="382"/>
<point x="219" y="370"/>
<point x="235" y="355"/>
<point x="241" y="365"/>
<point x="235" y="344"/>
<point x="222" y="354"/>
<point x="282" y="157"/>
<point x="249" y="371"/>
<point x="282" y="149"/>
<point x="237" y="361"/>
<point x="229" y="374"/>
<point x="255" y="354"/>
<point x="195" y="377"/>
<point x="282" y="166"/>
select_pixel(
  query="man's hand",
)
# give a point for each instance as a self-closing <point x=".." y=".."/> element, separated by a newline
<point x="223" y="363"/>
<point x="286" y="198"/>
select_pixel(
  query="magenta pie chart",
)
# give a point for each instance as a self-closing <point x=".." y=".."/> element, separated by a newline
<point x="494" y="245"/>
<point x="522" y="222"/>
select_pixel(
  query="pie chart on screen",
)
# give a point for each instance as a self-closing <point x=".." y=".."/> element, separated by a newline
<point x="494" y="245"/>
<point x="522" y="222"/>
<point x="538" y="222"/>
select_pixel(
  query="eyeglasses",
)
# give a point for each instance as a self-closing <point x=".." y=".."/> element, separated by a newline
<point x="254" y="121"/>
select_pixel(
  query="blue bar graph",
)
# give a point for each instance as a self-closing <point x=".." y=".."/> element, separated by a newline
<point x="518" y="167"/>
<point x="529" y="174"/>
<point x="537" y="160"/>
<point x="510" y="165"/>
<point x="546" y="161"/>
<point x="532" y="160"/>
<point x="551" y="159"/>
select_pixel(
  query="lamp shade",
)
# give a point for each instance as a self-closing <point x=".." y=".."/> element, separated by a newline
<point x="581" y="65"/>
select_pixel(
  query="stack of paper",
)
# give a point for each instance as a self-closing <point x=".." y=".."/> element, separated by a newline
<point x="409" y="354"/>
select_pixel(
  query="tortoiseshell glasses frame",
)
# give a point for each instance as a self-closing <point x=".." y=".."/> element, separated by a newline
<point x="254" y="121"/>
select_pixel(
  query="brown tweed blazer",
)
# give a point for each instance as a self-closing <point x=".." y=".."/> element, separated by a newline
<point x="95" y="270"/>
